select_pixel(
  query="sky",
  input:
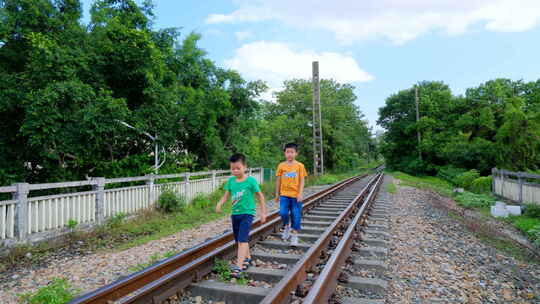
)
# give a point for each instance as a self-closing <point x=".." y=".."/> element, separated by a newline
<point x="378" y="46"/>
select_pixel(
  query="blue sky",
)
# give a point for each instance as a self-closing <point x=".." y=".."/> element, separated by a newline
<point x="380" y="46"/>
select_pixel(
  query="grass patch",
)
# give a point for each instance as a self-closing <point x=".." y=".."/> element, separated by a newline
<point x="507" y="247"/>
<point x="391" y="188"/>
<point x="153" y="225"/>
<point x="59" y="291"/>
<point x="436" y="184"/>
<point x="473" y="200"/>
<point x="223" y="271"/>
<point x="524" y="224"/>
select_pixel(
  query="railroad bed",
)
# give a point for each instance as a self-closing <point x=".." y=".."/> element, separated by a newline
<point x="306" y="273"/>
<point x="356" y="272"/>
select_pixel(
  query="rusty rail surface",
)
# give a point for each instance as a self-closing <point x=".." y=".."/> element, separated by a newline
<point x="164" y="279"/>
<point x="326" y="283"/>
<point x="281" y="293"/>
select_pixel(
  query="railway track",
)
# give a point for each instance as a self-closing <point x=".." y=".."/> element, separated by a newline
<point x="329" y="216"/>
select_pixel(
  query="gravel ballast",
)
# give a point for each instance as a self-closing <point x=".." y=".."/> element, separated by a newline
<point x="435" y="259"/>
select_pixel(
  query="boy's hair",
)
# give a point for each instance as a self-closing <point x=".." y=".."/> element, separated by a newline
<point x="292" y="146"/>
<point x="238" y="157"/>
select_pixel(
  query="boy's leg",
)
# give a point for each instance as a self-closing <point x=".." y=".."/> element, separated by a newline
<point x="235" y="221"/>
<point x="248" y="253"/>
<point x="284" y="209"/>
<point x="296" y="215"/>
<point x="243" y="239"/>
<point x="243" y="248"/>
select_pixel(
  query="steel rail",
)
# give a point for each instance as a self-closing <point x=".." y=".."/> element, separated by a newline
<point x="326" y="283"/>
<point x="159" y="281"/>
<point x="281" y="293"/>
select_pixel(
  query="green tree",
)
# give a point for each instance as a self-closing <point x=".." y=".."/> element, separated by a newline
<point x="345" y="133"/>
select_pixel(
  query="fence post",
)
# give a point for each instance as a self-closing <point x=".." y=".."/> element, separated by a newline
<point x="250" y="170"/>
<point x="21" y="216"/>
<point x="151" y="190"/>
<point x="493" y="177"/>
<point x="99" y="186"/>
<point x="520" y="180"/>
<point x="501" y="180"/>
<point x="213" y="180"/>
<point x="186" y="187"/>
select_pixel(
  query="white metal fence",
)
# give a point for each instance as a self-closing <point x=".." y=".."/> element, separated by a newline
<point x="516" y="186"/>
<point x="26" y="215"/>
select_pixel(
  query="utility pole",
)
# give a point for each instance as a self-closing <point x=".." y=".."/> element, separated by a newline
<point x="318" y="159"/>
<point x="417" y="120"/>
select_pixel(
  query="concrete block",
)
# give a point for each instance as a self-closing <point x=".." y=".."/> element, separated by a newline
<point x="281" y="258"/>
<point x="373" y="285"/>
<point x="373" y="265"/>
<point x="350" y="300"/>
<point x="371" y="251"/>
<point x="285" y="245"/>
<point x="265" y="274"/>
<point x="230" y="293"/>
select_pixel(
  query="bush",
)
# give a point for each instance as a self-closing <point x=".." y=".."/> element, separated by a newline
<point x="472" y="200"/>
<point x="535" y="235"/>
<point x="465" y="180"/>
<point x="116" y="220"/>
<point x="201" y="201"/>
<point x="449" y="173"/>
<point x="482" y="184"/>
<point x="59" y="291"/>
<point x="532" y="210"/>
<point x="525" y="224"/>
<point x="170" y="201"/>
<point x="72" y="224"/>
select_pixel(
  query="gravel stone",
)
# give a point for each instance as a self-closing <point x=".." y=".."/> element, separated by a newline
<point x="435" y="259"/>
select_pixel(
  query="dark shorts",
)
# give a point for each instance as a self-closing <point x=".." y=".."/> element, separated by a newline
<point x="241" y="225"/>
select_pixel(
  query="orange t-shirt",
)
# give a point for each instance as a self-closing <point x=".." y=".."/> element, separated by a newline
<point x="290" y="178"/>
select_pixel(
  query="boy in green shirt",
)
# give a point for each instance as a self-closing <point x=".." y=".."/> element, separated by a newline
<point x="242" y="188"/>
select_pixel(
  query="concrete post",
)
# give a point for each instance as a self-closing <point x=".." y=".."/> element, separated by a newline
<point x="151" y="189"/>
<point x="21" y="216"/>
<point x="100" y="198"/>
<point x="213" y="180"/>
<point x="520" y="181"/>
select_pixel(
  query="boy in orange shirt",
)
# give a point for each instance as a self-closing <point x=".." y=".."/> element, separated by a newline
<point x="289" y="188"/>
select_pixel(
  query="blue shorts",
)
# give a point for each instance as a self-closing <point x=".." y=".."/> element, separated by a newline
<point x="291" y="209"/>
<point x="241" y="225"/>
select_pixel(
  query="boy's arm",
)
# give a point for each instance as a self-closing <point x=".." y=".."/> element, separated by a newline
<point x="262" y="201"/>
<point x="222" y="201"/>
<point x="300" y="196"/>
<point x="278" y="184"/>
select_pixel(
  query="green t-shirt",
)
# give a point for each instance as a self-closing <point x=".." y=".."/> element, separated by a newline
<point x="242" y="195"/>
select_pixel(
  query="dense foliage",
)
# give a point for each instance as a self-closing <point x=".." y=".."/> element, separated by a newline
<point x="496" y="124"/>
<point x="65" y="86"/>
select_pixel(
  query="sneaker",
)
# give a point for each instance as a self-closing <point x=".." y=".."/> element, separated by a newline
<point x="294" y="239"/>
<point x="286" y="234"/>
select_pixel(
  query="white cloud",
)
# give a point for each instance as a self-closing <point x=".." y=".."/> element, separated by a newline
<point x="275" y="62"/>
<point x="243" y="35"/>
<point x="397" y="20"/>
